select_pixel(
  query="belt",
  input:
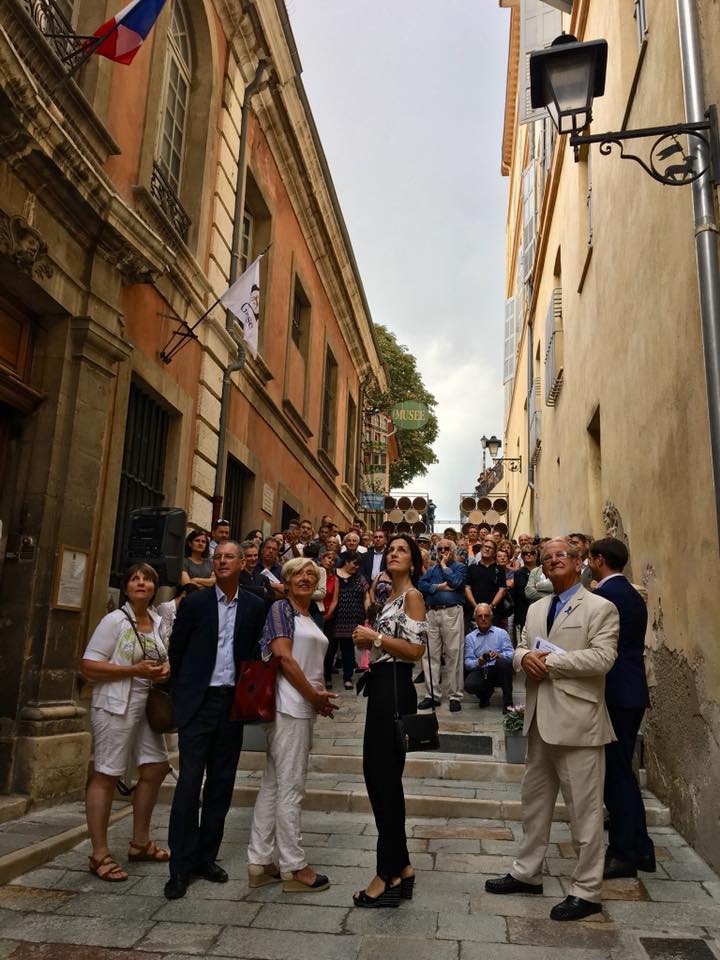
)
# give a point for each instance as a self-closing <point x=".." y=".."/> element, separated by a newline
<point x="446" y="606"/>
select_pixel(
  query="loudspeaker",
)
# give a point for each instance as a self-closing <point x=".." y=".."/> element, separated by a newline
<point x="156" y="535"/>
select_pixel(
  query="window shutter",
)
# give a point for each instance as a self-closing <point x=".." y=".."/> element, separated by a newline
<point x="528" y="219"/>
<point x="588" y="201"/>
<point x="509" y="360"/>
<point x="565" y="6"/>
<point x="554" y="348"/>
<point x="539" y="25"/>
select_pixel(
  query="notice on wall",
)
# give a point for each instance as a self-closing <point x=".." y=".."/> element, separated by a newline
<point x="70" y="578"/>
<point x="268" y="498"/>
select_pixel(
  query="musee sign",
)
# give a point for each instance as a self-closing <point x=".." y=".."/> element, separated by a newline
<point x="409" y="415"/>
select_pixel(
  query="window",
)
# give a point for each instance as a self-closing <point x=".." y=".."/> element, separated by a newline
<point x="300" y="320"/>
<point x="528" y="219"/>
<point x="554" y="348"/>
<point x="237" y="483"/>
<point x="245" y="242"/>
<point x="176" y="98"/>
<point x="539" y="25"/>
<point x="329" y="406"/>
<point x="641" y="21"/>
<point x="143" y="467"/>
<point x="509" y="361"/>
<point x="350" y="442"/>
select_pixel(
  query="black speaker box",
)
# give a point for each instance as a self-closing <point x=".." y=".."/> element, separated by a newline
<point x="156" y="535"/>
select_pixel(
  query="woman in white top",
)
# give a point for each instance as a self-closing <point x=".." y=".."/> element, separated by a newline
<point x="396" y="642"/>
<point x="295" y="638"/>
<point x="125" y="654"/>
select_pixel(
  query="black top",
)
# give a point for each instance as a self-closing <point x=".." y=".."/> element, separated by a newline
<point x="626" y="684"/>
<point x="484" y="582"/>
<point x="520" y="601"/>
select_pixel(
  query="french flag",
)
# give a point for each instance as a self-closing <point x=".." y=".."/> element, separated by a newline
<point x="122" y="35"/>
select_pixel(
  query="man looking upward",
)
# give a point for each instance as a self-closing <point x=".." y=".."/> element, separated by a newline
<point x="568" y="645"/>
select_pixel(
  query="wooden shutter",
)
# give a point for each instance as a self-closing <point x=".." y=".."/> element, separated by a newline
<point x="539" y="25"/>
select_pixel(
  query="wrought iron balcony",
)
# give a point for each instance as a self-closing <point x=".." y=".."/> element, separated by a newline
<point x="51" y="20"/>
<point x="165" y="195"/>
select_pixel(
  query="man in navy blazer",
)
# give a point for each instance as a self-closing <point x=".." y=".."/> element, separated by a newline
<point x="626" y="696"/>
<point x="214" y="630"/>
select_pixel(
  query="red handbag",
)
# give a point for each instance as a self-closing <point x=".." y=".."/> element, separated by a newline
<point x="254" y="700"/>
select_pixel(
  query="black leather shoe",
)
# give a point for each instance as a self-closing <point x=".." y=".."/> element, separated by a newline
<point x="427" y="703"/>
<point x="508" y="884"/>
<point x="647" y="864"/>
<point x="420" y="678"/>
<point x="455" y="706"/>
<point x="175" y="888"/>
<point x="615" y="869"/>
<point x="212" y="872"/>
<point x="574" y="908"/>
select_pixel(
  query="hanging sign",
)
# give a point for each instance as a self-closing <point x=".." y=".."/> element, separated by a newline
<point x="410" y="415"/>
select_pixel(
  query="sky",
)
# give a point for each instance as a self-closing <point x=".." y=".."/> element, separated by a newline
<point x="408" y="98"/>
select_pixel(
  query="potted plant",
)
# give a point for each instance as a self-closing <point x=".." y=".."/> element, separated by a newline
<point x="515" y="742"/>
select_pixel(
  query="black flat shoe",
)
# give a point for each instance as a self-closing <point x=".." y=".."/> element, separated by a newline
<point x="390" y="897"/>
<point x="212" y="872"/>
<point x="407" y="885"/>
<point x="647" y="863"/>
<point x="175" y="888"/>
<point x="508" y="884"/>
<point x="615" y="869"/>
<point x="574" y="908"/>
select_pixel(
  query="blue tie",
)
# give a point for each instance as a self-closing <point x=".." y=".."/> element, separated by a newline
<point x="552" y="611"/>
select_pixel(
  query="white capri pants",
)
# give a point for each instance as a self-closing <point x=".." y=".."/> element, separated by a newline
<point x="120" y="738"/>
<point x="276" y="819"/>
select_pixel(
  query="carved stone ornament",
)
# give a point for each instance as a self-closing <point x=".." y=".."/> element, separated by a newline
<point x="25" y="247"/>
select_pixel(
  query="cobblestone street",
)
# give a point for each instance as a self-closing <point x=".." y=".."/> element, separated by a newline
<point x="56" y="909"/>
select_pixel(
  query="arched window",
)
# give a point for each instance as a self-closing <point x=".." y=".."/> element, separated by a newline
<point x="176" y="99"/>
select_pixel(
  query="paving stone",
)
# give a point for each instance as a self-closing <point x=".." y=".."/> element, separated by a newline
<point x="221" y="912"/>
<point x="193" y="938"/>
<point x="629" y="888"/>
<point x="463" y="831"/>
<point x="713" y="888"/>
<point x="513" y="906"/>
<point x="512" y="951"/>
<point x="675" y="891"/>
<point x="260" y="944"/>
<point x="338" y="895"/>
<point x="549" y="933"/>
<point x="649" y="915"/>
<point x="82" y="881"/>
<point x="7" y="948"/>
<point x="332" y="856"/>
<point x="393" y="923"/>
<point x="34" y="899"/>
<point x="327" y="823"/>
<point x="104" y="905"/>
<point x="472" y="863"/>
<point x="663" y="948"/>
<point x="688" y="871"/>
<point x="454" y="845"/>
<point x="311" y="918"/>
<point x="475" y="926"/>
<point x="566" y="849"/>
<point x="46" y="877"/>
<point x="402" y="948"/>
<point x="65" y="951"/>
<point x="100" y="931"/>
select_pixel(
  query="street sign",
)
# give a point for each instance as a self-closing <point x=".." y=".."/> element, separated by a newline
<point x="410" y="415"/>
<point x="373" y="501"/>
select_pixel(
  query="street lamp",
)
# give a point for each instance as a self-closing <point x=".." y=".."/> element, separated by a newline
<point x="565" y="78"/>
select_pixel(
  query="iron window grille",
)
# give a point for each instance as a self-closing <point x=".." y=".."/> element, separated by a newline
<point x="168" y="201"/>
<point x="52" y="20"/>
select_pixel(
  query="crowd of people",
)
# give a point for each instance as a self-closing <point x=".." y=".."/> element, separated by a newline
<point x="469" y="608"/>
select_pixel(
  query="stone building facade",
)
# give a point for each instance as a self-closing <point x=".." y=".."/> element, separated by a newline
<point x="605" y="389"/>
<point x="117" y="205"/>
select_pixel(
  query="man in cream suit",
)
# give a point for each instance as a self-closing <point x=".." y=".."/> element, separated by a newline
<point x="567" y="725"/>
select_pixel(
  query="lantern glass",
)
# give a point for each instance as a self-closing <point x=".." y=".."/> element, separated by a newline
<point x="565" y="78"/>
<point x="493" y="446"/>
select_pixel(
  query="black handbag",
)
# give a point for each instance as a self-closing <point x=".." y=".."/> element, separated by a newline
<point x="159" y="705"/>
<point x="415" y="731"/>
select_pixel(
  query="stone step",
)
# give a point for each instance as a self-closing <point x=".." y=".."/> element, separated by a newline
<point x="12" y="806"/>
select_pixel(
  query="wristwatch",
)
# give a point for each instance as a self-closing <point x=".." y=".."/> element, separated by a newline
<point x="377" y="642"/>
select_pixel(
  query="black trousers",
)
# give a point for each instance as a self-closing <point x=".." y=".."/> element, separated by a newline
<point x="209" y="745"/>
<point x="628" y="837"/>
<point x="483" y="681"/>
<point x="383" y="763"/>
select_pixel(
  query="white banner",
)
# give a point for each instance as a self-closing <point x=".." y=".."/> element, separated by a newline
<point x="243" y="300"/>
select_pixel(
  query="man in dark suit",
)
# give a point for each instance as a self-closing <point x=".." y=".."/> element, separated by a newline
<point x="371" y="560"/>
<point x="214" y="630"/>
<point x="626" y="695"/>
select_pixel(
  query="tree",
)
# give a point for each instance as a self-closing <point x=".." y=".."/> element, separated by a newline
<point x="405" y="383"/>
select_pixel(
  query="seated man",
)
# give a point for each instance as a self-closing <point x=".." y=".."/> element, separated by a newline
<point x="488" y="659"/>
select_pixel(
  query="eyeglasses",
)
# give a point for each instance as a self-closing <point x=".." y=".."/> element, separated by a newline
<point x="560" y="555"/>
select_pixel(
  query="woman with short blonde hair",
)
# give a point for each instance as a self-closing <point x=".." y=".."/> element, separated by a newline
<point x="293" y="637"/>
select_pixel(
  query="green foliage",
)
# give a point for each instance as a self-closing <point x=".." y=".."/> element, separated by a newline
<point x="405" y="383"/>
<point x="514" y="720"/>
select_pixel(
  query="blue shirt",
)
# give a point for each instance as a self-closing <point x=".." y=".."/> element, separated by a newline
<point x="478" y="645"/>
<point x="223" y="674"/>
<point x="564" y="597"/>
<point x="454" y="574"/>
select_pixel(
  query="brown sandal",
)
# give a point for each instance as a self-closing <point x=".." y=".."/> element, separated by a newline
<point x="107" y="869"/>
<point x="149" y="852"/>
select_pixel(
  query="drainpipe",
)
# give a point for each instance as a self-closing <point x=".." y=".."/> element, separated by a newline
<point x="256" y="84"/>
<point x="706" y="229"/>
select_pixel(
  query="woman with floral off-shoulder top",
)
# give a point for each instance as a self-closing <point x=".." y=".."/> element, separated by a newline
<point x="395" y="643"/>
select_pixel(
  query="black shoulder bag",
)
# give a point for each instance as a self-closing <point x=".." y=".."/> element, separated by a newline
<point x="159" y="706"/>
<point x="416" y="731"/>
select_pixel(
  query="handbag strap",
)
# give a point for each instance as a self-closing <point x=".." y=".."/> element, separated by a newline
<point x="140" y="639"/>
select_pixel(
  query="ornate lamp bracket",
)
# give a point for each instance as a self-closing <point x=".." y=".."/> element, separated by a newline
<point x="669" y="160"/>
<point x="513" y="464"/>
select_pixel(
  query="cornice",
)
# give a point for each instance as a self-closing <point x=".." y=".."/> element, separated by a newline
<point x="511" y="88"/>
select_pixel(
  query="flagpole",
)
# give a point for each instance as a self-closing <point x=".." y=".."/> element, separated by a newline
<point x="92" y="47"/>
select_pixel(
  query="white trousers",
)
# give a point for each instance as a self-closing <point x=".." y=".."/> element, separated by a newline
<point x="275" y="833"/>
<point x="446" y="635"/>
<point x="579" y="773"/>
